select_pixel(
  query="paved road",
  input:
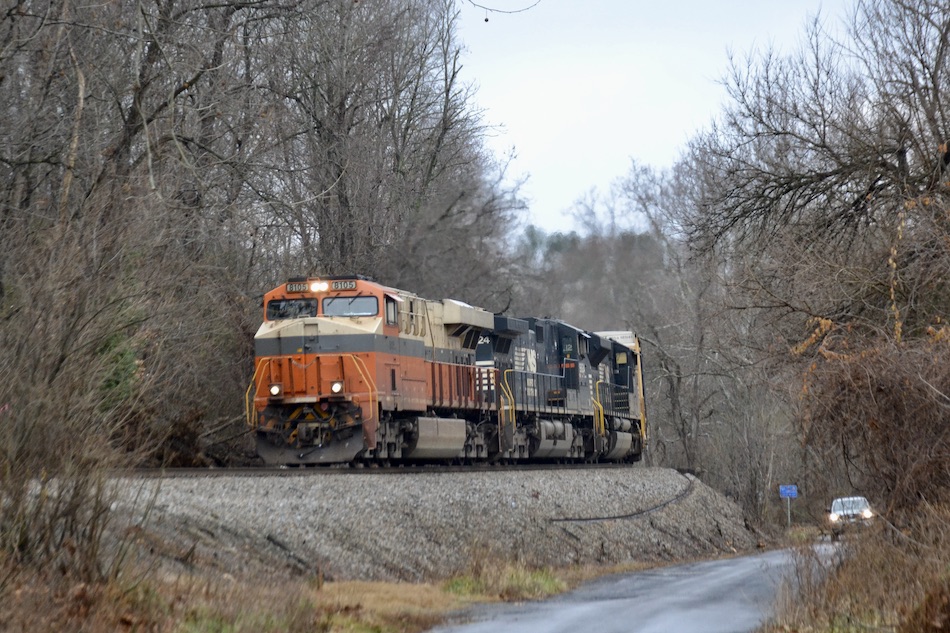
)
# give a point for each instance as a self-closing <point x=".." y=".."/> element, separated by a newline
<point x="724" y="596"/>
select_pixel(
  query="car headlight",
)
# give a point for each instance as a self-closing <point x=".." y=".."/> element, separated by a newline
<point x="833" y="517"/>
<point x="867" y="514"/>
<point x="336" y="386"/>
<point x="276" y="389"/>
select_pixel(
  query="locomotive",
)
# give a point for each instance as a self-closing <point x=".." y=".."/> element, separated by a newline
<point x="349" y="371"/>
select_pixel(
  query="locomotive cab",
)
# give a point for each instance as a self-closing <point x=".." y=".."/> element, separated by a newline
<point x="314" y="396"/>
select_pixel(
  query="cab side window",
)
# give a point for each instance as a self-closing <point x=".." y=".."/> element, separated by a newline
<point x="390" y="311"/>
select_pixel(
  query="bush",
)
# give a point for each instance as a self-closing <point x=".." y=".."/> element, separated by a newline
<point x="877" y="413"/>
<point x="884" y="576"/>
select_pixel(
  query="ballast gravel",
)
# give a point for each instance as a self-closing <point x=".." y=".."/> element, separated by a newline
<point x="427" y="526"/>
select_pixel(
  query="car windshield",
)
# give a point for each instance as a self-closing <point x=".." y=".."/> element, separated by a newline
<point x="350" y="306"/>
<point x="850" y="505"/>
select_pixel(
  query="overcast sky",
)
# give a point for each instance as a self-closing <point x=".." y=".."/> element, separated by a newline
<point x="581" y="88"/>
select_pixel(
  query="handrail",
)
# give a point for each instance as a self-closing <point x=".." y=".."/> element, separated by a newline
<point x="248" y="405"/>
<point x="642" y="403"/>
<point x="472" y="377"/>
<point x="542" y="382"/>
<point x="506" y="390"/>
<point x="600" y="424"/>
<point x="364" y="373"/>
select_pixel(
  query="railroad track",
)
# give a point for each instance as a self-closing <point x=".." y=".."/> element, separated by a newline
<point x="270" y="471"/>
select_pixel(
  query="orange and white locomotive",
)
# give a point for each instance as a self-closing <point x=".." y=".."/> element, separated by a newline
<point x="348" y="370"/>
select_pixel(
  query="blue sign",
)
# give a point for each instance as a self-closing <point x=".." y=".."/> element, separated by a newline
<point x="788" y="492"/>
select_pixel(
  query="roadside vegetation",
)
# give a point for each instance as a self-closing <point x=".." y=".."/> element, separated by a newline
<point x="880" y="579"/>
<point x="162" y="164"/>
<point x="197" y="603"/>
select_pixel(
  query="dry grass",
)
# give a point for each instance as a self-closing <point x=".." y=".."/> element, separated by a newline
<point x="192" y="604"/>
<point x="575" y="576"/>
<point x="200" y="603"/>
<point x="36" y="602"/>
<point x="203" y="603"/>
<point x="206" y="602"/>
<point x="385" y="607"/>
<point x="884" y="580"/>
<point x="799" y="535"/>
<point x="881" y="579"/>
<point x="500" y="580"/>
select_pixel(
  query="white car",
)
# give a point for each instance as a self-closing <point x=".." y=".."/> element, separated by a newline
<point x="846" y="512"/>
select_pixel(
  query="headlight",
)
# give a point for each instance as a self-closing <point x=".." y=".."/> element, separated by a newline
<point x="833" y="516"/>
<point x="319" y="286"/>
<point x="867" y="514"/>
<point x="336" y="386"/>
<point x="276" y="389"/>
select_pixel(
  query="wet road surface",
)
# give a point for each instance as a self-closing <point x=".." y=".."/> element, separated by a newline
<point x="723" y="596"/>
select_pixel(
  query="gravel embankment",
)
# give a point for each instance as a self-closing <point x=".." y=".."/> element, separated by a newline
<point x="428" y="526"/>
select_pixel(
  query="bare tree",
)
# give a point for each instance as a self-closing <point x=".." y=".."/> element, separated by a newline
<point x="824" y="183"/>
<point x="716" y="405"/>
<point x="163" y="161"/>
<point x="382" y="170"/>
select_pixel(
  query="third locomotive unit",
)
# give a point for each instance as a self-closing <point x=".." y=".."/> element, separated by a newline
<point x="351" y="371"/>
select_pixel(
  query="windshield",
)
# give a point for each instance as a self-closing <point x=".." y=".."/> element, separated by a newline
<point x="291" y="309"/>
<point x="849" y="505"/>
<point x="350" y="306"/>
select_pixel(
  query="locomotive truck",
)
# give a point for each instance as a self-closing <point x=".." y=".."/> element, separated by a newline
<point x="349" y="371"/>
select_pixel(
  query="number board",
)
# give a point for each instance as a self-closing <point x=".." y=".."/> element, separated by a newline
<point x="295" y="286"/>
<point x="343" y="285"/>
